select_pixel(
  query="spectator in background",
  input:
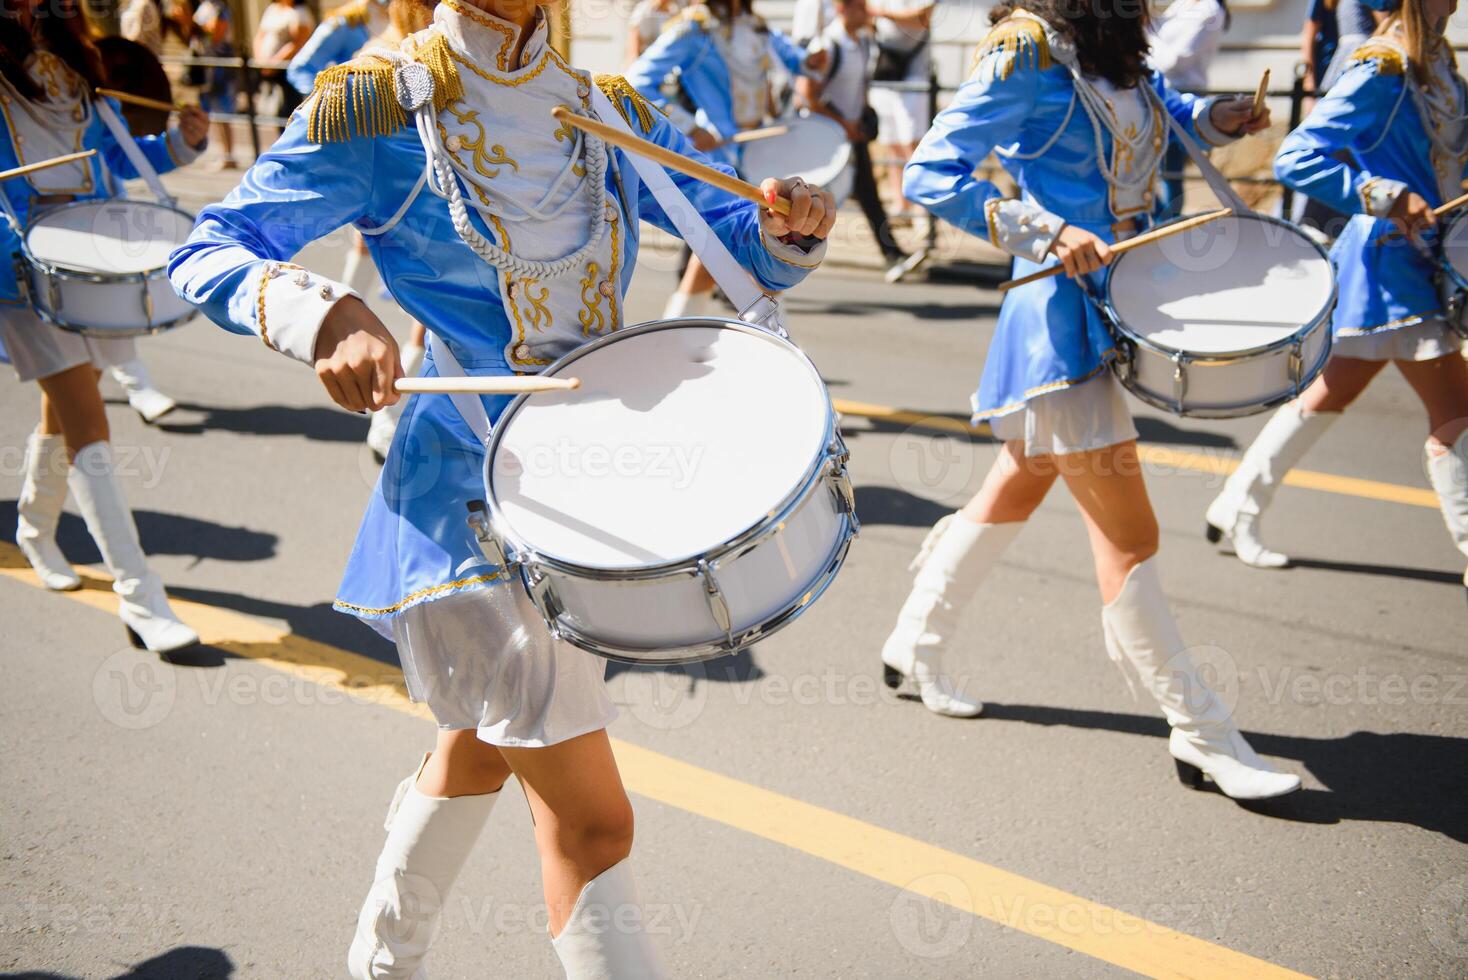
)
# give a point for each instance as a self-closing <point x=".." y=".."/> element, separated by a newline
<point x="1184" y="39"/>
<point x="142" y="21"/>
<point x="215" y="39"/>
<point x="1318" y="41"/>
<point x="285" y="27"/>
<point x="901" y="29"/>
<point x="842" y="96"/>
<point x="646" y="22"/>
<point x="1355" y="22"/>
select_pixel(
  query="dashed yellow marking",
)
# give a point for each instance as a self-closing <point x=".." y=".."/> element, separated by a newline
<point x="960" y="882"/>
<point x="1162" y="457"/>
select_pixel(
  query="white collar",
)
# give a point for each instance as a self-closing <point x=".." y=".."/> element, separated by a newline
<point x="487" y="40"/>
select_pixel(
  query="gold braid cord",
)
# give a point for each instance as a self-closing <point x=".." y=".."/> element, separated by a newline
<point x="1020" y="43"/>
<point x="360" y="97"/>
<point x="620" y="91"/>
<point x="1388" y="57"/>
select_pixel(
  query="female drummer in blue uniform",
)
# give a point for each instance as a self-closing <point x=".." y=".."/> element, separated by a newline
<point x="1069" y="105"/>
<point x="336" y="40"/>
<point x="1401" y="114"/>
<point x="512" y="237"/>
<point x="720" y="54"/>
<point x="49" y="71"/>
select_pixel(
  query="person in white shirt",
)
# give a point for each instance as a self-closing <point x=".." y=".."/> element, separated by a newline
<point x="842" y="96"/>
<point x="1184" y="40"/>
<point x="646" y="22"/>
<point x="142" y="21"/>
<point x="285" y="27"/>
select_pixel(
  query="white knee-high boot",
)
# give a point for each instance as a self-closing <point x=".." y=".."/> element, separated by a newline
<point x="1237" y="511"/>
<point x="144" y="398"/>
<point x="605" y="937"/>
<point x="1140" y="630"/>
<point x="953" y="560"/>
<point x="682" y="304"/>
<point x="42" y="495"/>
<point x="384" y="424"/>
<point x="428" y="842"/>
<point x="144" y="607"/>
<point x="1447" y="469"/>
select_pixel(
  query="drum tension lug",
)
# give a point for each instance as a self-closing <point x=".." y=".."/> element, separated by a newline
<point x="489" y="546"/>
<point x="717" y="605"/>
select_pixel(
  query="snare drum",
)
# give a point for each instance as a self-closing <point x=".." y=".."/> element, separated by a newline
<point x="1225" y="320"/>
<point x="815" y="148"/>
<point x="689" y="499"/>
<point x="1452" y="277"/>
<point x="100" y="267"/>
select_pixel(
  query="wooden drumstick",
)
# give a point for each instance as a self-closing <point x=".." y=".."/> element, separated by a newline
<point x="485" y="386"/>
<point x="1259" y="94"/>
<point x="1438" y="211"/>
<point x="31" y="168"/>
<point x="140" y="100"/>
<point x="1166" y="231"/>
<point x="750" y="135"/>
<point x="669" y="159"/>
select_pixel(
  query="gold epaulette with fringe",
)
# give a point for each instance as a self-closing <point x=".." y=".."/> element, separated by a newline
<point x="697" y="14"/>
<point x="1388" y="57"/>
<point x="1014" y="43"/>
<point x="620" y="91"/>
<point x="360" y="97"/>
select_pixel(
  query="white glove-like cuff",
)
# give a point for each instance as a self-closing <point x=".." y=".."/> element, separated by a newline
<point x="1203" y="122"/>
<point x="1021" y="228"/>
<point x="179" y="148"/>
<point x="1379" y="195"/>
<point x="807" y="256"/>
<point x="290" y="304"/>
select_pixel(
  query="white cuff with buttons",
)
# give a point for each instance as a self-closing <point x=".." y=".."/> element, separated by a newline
<point x="293" y="302"/>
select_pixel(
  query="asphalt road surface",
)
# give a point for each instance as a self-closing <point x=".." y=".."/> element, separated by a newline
<point x="220" y="817"/>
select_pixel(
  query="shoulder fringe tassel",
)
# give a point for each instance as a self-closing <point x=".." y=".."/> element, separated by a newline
<point x="1016" y="43"/>
<point x="1390" y="59"/>
<point x="359" y="98"/>
<point x="620" y="91"/>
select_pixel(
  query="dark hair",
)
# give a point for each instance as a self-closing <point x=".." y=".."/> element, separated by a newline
<point x="1110" y="35"/>
<point x="64" y="31"/>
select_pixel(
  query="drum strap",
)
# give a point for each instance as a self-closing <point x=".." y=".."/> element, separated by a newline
<point x="130" y="150"/>
<point x="470" y="408"/>
<point x="754" y="304"/>
<point x="1217" y="182"/>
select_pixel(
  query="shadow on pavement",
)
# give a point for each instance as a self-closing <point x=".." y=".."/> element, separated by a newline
<point x="1401" y="777"/>
<point x="887" y="505"/>
<point x="183" y="963"/>
<point x="725" y="670"/>
<point x="1151" y="429"/>
<point x="161" y="534"/>
<point x="317" y="423"/>
<point x="319" y="623"/>
<point x="1385" y="571"/>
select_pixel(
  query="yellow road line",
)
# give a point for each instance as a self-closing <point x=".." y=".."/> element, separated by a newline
<point x="960" y="882"/>
<point x="1164" y="458"/>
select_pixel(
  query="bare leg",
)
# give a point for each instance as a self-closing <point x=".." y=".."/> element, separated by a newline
<point x="1108" y="487"/>
<point x="1340" y="384"/>
<point x="462" y="765"/>
<point x="583" y="819"/>
<point x="71" y="404"/>
<point x="1015" y="486"/>
<point x="1442" y="384"/>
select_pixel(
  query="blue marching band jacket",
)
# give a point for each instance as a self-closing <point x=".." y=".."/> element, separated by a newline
<point x="1398" y="135"/>
<point x="1082" y="153"/>
<point x="513" y="241"/>
<point x="336" y="41"/>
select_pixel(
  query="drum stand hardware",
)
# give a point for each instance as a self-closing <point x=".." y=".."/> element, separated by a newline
<point x="1297" y="365"/>
<point x="1180" y="362"/>
<point x="718" y="607"/>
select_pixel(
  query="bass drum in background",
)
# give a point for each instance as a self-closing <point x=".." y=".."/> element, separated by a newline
<point x="133" y="69"/>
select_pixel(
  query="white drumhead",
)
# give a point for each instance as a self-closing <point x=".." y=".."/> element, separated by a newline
<point x="108" y="237"/>
<point x="1455" y="245"/>
<point x="1231" y="285"/>
<point x="815" y="148"/>
<point x="677" y="441"/>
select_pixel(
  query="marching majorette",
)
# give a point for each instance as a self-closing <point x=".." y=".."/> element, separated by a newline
<point x="512" y="237"/>
<point x="1076" y="116"/>
<point x="48" y="77"/>
<point x="1387" y="144"/>
<point x="719" y="55"/>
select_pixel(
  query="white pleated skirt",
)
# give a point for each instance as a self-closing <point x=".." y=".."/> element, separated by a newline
<point x="1076" y="419"/>
<point x="1422" y="342"/>
<point x="484" y="660"/>
<point x="37" y="349"/>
